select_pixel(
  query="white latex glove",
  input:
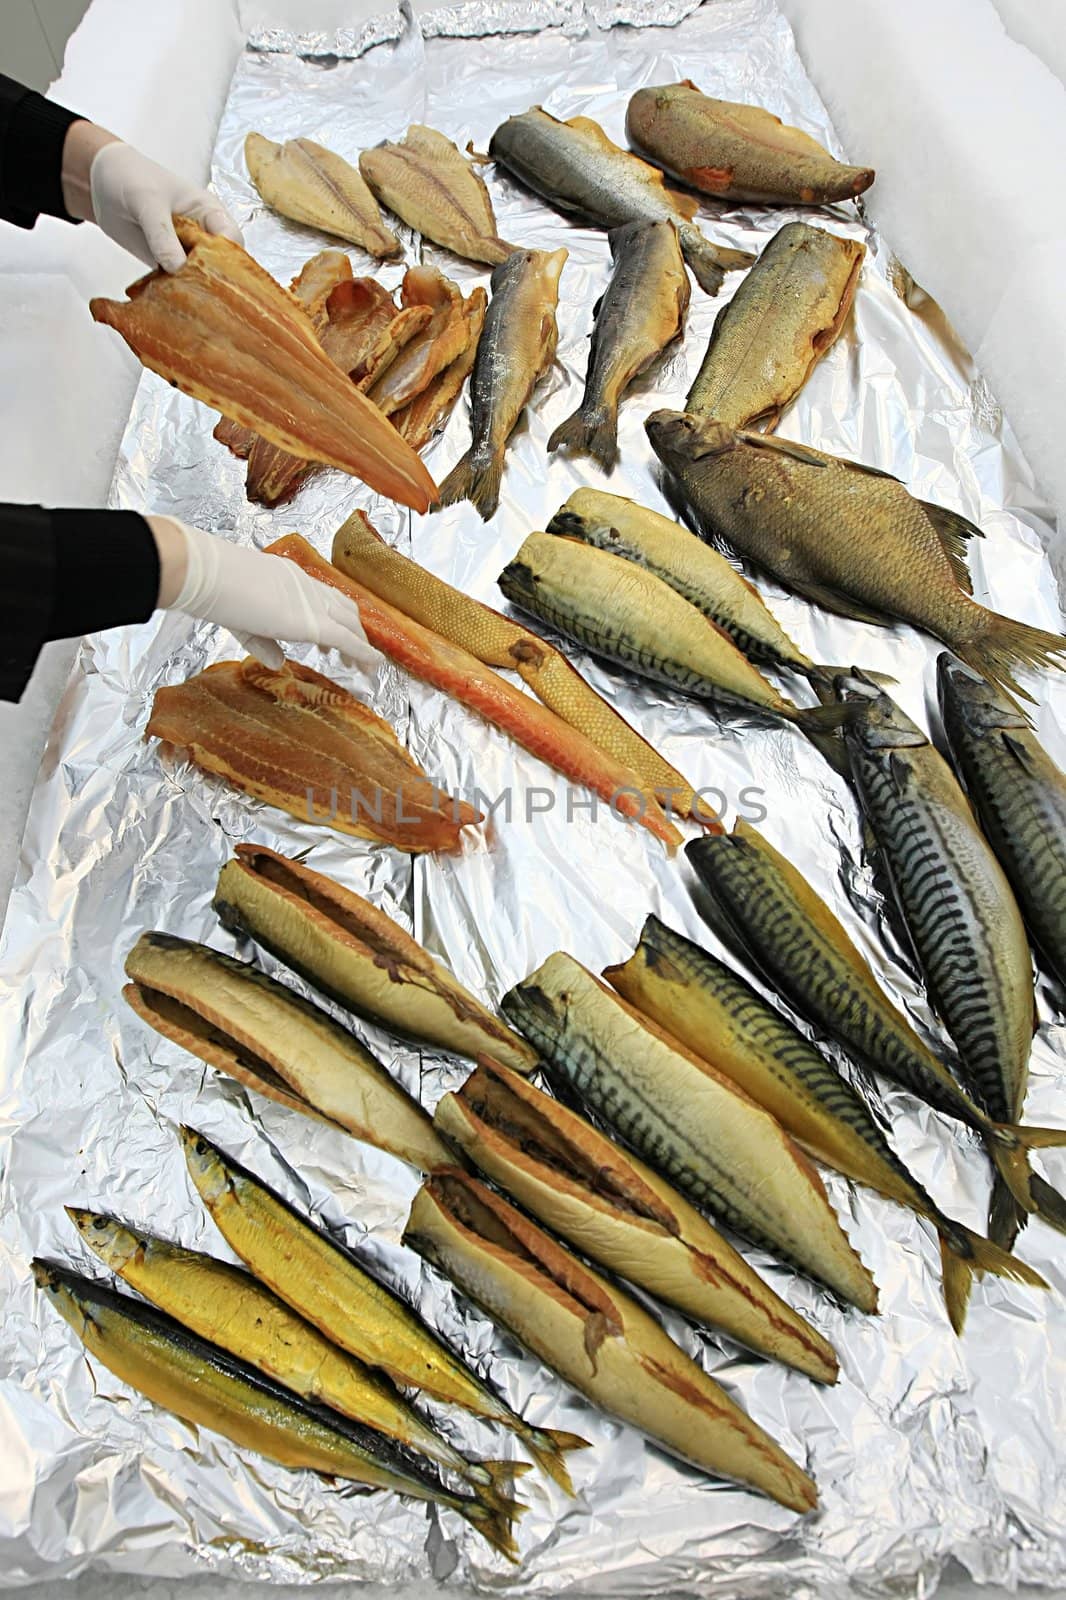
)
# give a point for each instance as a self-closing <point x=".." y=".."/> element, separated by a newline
<point x="133" y="200"/>
<point x="260" y="598"/>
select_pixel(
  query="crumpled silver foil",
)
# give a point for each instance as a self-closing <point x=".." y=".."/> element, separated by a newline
<point x="929" y="1446"/>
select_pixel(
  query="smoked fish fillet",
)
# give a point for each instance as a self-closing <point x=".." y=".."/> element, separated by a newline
<point x="420" y="419"/>
<point x="449" y="667"/>
<point x="225" y="332"/>
<point x="305" y="181"/>
<point x="300" y="742"/>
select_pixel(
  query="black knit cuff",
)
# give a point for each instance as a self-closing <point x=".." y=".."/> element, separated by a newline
<point x="106" y="571"/>
<point x="33" y="159"/>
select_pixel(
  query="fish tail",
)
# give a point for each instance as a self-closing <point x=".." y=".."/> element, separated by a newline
<point x="494" y="1484"/>
<point x="456" y="485"/>
<point x="1006" y="1216"/>
<point x="593" y="432"/>
<point x="1039" y="1138"/>
<point x="1048" y="1203"/>
<point x="824" y="677"/>
<point x="548" y="1446"/>
<point x="963" y="1254"/>
<point x="697" y="252"/>
<point x="1002" y="645"/>
<point x="822" y="725"/>
<point x="493" y="1523"/>
<point x="477" y="482"/>
<point x="1018" y="1190"/>
<point x="1011" y="1160"/>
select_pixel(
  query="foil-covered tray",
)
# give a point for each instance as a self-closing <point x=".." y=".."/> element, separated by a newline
<point x="929" y="1447"/>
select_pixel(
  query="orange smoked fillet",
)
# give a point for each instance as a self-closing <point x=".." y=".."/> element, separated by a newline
<point x="449" y="667"/>
<point x="226" y="333"/>
<point x="293" y="738"/>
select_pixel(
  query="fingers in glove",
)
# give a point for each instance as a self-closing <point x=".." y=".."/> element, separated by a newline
<point x="268" y="651"/>
<point x="165" y="246"/>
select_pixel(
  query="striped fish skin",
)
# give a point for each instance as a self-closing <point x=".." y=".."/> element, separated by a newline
<point x="717" y="1013"/>
<point x="687" y="1121"/>
<point x="1019" y="795"/>
<point x="698" y="573"/>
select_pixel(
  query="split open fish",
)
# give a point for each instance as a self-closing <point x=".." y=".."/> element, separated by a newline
<point x="594" y="1336"/>
<point x="687" y="1120"/>
<point x="259" y="1032"/>
<point x="305" y="181"/>
<point x="357" y="955"/>
<point x="736" y="152"/>
<point x="433" y="188"/>
<point x="619" y="1213"/>
<point x="300" y="742"/>
<point x="786" y="313"/>
<point x="225" y="332"/>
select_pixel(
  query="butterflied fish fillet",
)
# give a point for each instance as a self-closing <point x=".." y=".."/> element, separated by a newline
<point x="226" y="333"/>
<point x="439" y="342"/>
<point x="310" y="184"/>
<point x="428" y="412"/>
<point x="302" y="743"/>
<point x="433" y="188"/>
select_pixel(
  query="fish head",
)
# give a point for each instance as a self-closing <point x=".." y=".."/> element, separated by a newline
<point x="106" y="1237"/>
<point x="681" y="437"/>
<point x="876" y="722"/>
<point x="60" y="1287"/>
<point x="529" y="1008"/>
<point x="205" y="1164"/>
<point x="969" y="699"/>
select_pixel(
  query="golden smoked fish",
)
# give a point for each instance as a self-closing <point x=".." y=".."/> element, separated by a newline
<point x="717" y="1013"/>
<point x="615" y="1210"/>
<point x="435" y="347"/>
<point x="245" y="1024"/>
<point x="295" y="739"/>
<point x="812" y="520"/>
<point x="429" y="410"/>
<point x="783" y="318"/>
<point x="207" y="1387"/>
<point x="310" y="184"/>
<point x="433" y="188"/>
<point x="326" y="1285"/>
<point x="225" y="332"/>
<point x="736" y="152"/>
<point x="642" y="311"/>
<point x="498" y="641"/>
<point x="698" y="573"/>
<point x="687" y="1120"/>
<point x="449" y="667"/>
<point x="228" y="1307"/>
<point x="769" y="911"/>
<point x="594" y="1336"/>
<point x="578" y="170"/>
<point x="516" y="348"/>
<point x="357" y="955"/>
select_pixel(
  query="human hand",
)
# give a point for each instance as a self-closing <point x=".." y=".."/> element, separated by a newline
<point x="256" y="596"/>
<point x="133" y="199"/>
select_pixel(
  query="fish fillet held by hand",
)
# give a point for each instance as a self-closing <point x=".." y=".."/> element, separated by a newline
<point x="327" y="1286"/>
<point x="688" y="564"/>
<point x="497" y="641"/>
<point x="783" y="318"/>
<point x="258" y="1031"/>
<point x="763" y="907"/>
<point x="225" y="332"/>
<point x="227" y="1306"/>
<point x="812" y="521"/>
<point x="736" y="152"/>
<point x="433" y="188"/>
<point x="295" y="739"/>
<point x="594" y="1335"/>
<point x="310" y="184"/>
<point x="449" y="667"/>
<point x="642" y="310"/>
<point x="615" y="1210"/>
<point x="357" y="955"/>
<point x="717" y="1013"/>
<point x="516" y="348"/>
<point x="577" y="169"/>
<point x="687" y="1120"/>
<point x="207" y="1387"/>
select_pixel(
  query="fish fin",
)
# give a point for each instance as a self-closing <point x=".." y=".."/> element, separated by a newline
<point x="954" y="533"/>
<point x="1006" y="1216"/>
<point x="478" y="484"/>
<point x="594" y="433"/>
<point x="1003" y="645"/>
<point x="705" y="269"/>
<point x="964" y="1253"/>
<point x="1015" y="748"/>
<point x="456" y="485"/>
<point x="1049" y="1203"/>
<point x="494" y="1525"/>
<point x="837" y="604"/>
<point x="784" y="447"/>
<point x="1038" y="1138"/>
<point x="548" y="1446"/>
<point x="900" y="773"/>
<point x="501" y="1482"/>
<point x="820" y="675"/>
<point x="822" y="719"/>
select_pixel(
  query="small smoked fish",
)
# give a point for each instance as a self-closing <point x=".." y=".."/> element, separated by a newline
<point x="717" y="1013"/>
<point x="594" y="1336"/>
<point x="641" y="312"/>
<point x="783" y="318"/>
<point x="687" y="1120"/>
<point x="429" y="185"/>
<point x="736" y="152"/>
<point x="310" y="184"/>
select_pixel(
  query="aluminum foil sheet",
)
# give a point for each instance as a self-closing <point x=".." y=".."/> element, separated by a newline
<point x="928" y="1447"/>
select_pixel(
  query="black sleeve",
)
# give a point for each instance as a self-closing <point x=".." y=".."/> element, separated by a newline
<point x="32" y="133"/>
<point x="64" y="573"/>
